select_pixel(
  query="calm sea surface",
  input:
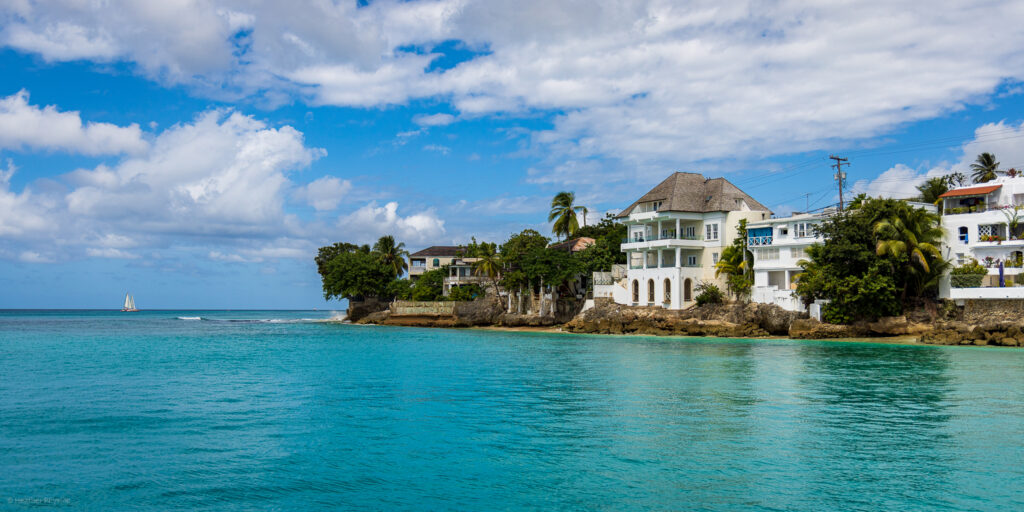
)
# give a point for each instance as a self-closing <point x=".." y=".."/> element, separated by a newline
<point x="160" y="410"/>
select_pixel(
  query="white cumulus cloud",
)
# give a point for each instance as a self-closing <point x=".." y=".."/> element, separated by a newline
<point x="649" y="83"/>
<point x="26" y="125"/>
<point x="325" y="193"/>
<point x="900" y="181"/>
<point x="372" y="221"/>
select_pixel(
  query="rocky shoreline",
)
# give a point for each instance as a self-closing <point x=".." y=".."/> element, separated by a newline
<point x="947" y="325"/>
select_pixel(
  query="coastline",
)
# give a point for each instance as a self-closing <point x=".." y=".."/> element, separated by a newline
<point x="972" y="326"/>
<point x="887" y="340"/>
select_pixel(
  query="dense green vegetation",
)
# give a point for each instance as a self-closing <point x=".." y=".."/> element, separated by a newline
<point x="522" y="262"/>
<point x="876" y="258"/>
<point x="736" y="263"/>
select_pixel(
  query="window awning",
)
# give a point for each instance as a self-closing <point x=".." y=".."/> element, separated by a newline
<point x="972" y="191"/>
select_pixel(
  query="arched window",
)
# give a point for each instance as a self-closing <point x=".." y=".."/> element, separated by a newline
<point x="668" y="291"/>
<point x="636" y="291"/>
<point x="437" y="262"/>
<point x="650" y="290"/>
<point x="687" y="294"/>
<point x="962" y="234"/>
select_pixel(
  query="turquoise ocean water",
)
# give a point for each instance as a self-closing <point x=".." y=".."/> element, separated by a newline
<point x="273" y="410"/>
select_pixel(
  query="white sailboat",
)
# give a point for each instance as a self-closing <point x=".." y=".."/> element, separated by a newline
<point x="129" y="303"/>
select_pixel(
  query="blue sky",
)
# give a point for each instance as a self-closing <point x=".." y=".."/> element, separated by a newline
<point x="197" y="153"/>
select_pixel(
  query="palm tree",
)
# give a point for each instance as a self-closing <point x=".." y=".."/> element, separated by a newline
<point x="732" y="263"/>
<point x="563" y="212"/>
<point x="911" y="235"/>
<point x="984" y="168"/>
<point x="392" y="255"/>
<point x="488" y="264"/>
<point x="933" y="188"/>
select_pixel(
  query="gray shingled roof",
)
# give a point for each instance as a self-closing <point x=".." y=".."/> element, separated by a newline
<point x="692" y="192"/>
<point x="437" y="250"/>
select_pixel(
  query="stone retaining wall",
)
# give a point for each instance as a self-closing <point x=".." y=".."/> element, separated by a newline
<point x="422" y="308"/>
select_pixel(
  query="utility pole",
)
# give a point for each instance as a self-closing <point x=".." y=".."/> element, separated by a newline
<point x="807" y="202"/>
<point x="840" y="175"/>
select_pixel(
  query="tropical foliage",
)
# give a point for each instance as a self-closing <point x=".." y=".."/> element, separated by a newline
<point x="563" y="213"/>
<point x="984" y="168"/>
<point x="932" y="188"/>
<point x="875" y="258"/>
<point x="392" y="255"/>
<point x="735" y="263"/>
<point x="358" y="272"/>
<point x="910" y="236"/>
<point x="488" y="263"/>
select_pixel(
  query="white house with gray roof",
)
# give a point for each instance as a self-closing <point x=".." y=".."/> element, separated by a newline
<point x="676" y="233"/>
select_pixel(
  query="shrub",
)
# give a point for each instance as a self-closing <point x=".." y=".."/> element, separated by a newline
<point x="709" y="293"/>
<point x="465" y="292"/>
<point x="968" y="275"/>
<point x="398" y="289"/>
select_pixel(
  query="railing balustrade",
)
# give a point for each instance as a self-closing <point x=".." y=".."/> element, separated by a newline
<point x="759" y="240"/>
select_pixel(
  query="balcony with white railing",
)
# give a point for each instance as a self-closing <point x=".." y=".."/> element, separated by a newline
<point x="756" y="241"/>
<point x="664" y="240"/>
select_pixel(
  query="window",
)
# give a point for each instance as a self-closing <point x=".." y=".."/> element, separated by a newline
<point x="714" y="258"/>
<point x="636" y="260"/>
<point x="962" y="234"/>
<point x="668" y="291"/>
<point x="783" y="230"/>
<point x="767" y="253"/>
<point x="636" y="291"/>
<point x="691" y="261"/>
<point x="650" y="290"/>
<point x="798" y="253"/>
<point x="960" y="258"/>
<point x="802" y="229"/>
<point x="437" y="262"/>
<point x="691" y="232"/>
<point x="711" y="231"/>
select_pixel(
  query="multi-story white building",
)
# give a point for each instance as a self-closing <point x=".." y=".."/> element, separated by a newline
<point x="977" y="221"/>
<point x="778" y="245"/>
<point x="676" y="233"/>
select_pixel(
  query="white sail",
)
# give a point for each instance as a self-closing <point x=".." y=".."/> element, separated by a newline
<point x="128" y="301"/>
<point x="131" y="300"/>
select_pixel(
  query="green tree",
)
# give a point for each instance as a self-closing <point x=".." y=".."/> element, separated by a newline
<point x="398" y="289"/>
<point x="392" y="255"/>
<point x="956" y="179"/>
<point x="911" y="237"/>
<point x="848" y="271"/>
<point x="607" y="248"/>
<point x="563" y="213"/>
<point x="735" y="263"/>
<point x="327" y="253"/>
<point x="932" y="188"/>
<point x="430" y="285"/>
<point x="354" y="275"/>
<point x="984" y="168"/>
<point x="488" y="264"/>
<point x="465" y="292"/>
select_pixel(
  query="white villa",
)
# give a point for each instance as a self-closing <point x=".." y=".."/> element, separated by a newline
<point x="778" y="245"/>
<point x="676" y="233"/>
<point x="977" y="220"/>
